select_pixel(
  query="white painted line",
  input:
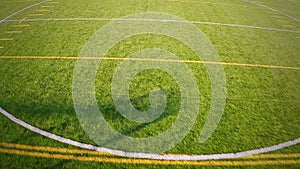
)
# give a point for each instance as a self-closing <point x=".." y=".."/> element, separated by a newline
<point x="272" y="9"/>
<point x="22" y="10"/>
<point x="148" y="155"/>
<point x="156" y="20"/>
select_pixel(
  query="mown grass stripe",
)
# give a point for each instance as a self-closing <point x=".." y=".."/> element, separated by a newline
<point x="153" y="162"/>
<point x="157" y="60"/>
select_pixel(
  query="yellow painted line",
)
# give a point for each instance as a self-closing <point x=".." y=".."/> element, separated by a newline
<point x="23" y="20"/>
<point x="265" y="156"/>
<point x="289" y="26"/>
<point x="277" y="16"/>
<point x="284" y="21"/>
<point x="6" y="39"/>
<point x="27" y="25"/>
<point x="157" y="60"/>
<point x="36" y="14"/>
<point x="47" y="6"/>
<point x="13" y="32"/>
<point x="80" y="151"/>
<point x="145" y="161"/>
<point x="52" y="2"/>
<point x="1" y="47"/>
<point x="42" y="10"/>
<point x="52" y="149"/>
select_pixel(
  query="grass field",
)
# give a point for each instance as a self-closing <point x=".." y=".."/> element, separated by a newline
<point x="258" y="46"/>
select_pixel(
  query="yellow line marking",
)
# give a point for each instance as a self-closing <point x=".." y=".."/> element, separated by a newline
<point x="1" y="47"/>
<point x="42" y="10"/>
<point x="13" y="32"/>
<point x="23" y="20"/>
<point x="47" y="6"/>
<point x="52" y="149"/>
<point x="22" y="25"/>
<point x="81" y="151"/>
<point x="283" y="21"/>
<point x="277" y="16"/>
<point x="289" y="26"/>
<point x="145" y="161"/>
<point x="52" y="2"/>
<point x="6" y="39"/>
<point x="36" y="14"/>
<point x="265" y="156"/>
<point x="157" y="60"/>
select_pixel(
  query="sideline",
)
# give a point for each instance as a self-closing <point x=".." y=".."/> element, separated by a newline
<point x="167" y="157"/>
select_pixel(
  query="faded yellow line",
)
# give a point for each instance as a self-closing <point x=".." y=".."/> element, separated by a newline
<point x="265" y="156"/>
<point x="27" y="25"/>
<point x="6" y="39"/>
<point x="289" y="26"/>
<point x="42" y="10"/>
<point x="80" y="151"/>
<point x="157" y="60"/>
<point x="45" y="6"/>
<point x="22" y="20"/>
<point x="145" y="161"/>
<point x="284" y="21"/>
<point x="1" y="47"/>
<point x="36" y="14"/>
<point x="52" y="2"/>
<point x="52" y="149"/>
<point x="13" y="32"/>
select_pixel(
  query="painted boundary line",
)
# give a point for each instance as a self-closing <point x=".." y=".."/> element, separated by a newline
<point x="157" y="20"/>
<point x="157" y="60"/>
<point x="275" y="10"/>
<point x="90" y="152"/>
<point x="3" y="20"/>
<point x="151" y="162"/>
<point x="167" y="157"/>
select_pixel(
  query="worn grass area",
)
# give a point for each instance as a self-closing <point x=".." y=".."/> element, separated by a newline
<point x="262" y="107"/>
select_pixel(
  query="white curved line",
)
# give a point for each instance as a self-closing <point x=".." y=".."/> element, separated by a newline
<point x="272" y="9"/>
<point x="3" y="20"/>
<point x="156" y="20"/>
<point x="148" y="155"/>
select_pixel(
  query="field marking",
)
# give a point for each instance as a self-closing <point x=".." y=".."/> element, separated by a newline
<point x="13" y="32"/>
<point x="6" y="39"/>
<point x="25" y="25"/>
<point x="42" y="10"/>
<point x="272" y="9"/>
<point x="22" y="20"/>
<point x="46" y="6"/>
<point x="289" y="26"/>
<point x="90" y="152"/>
<point x="157" y="60"/>
<point x="6" y="18"/>
<point x="284" y="21"/>
<point x="146" y="161"/>
<point x="149" y="155"/>
<point x="1" y="47"/>
<point x="52" y="2"/>
<point x="157" y="20"/>
<point x="36" y="14"/>
<point x="52" y="149"/>
<point x="213" y="3"/>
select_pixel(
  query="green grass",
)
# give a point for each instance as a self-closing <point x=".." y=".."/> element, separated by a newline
<point x="262" y="106"/>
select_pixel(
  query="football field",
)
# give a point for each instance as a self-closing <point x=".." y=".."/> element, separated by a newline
<point x="150" y="83"/>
